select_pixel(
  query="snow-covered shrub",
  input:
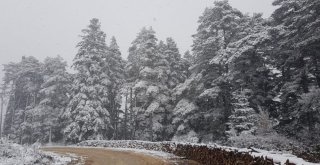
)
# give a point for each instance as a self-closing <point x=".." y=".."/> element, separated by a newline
<point x="12" y="154"/>
<point x="184" y="107"/>
<point x="272" y="141"/>
<point x="191" y="137"/>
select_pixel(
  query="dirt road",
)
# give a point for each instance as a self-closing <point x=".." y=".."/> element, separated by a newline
<point x="96" y="156"/>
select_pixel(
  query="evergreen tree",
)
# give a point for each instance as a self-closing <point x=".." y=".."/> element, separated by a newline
<point x="142" y="54"/>
<point x="55" y="97"/>
<point x="25" y="79"/>
<point x="219" y="27"/>
<point x="87" y="113"/>
<point x="244" y="118"/>
<point x="189" y="57"/>
<point x="115" y="72"/>
<point x="177" y="66"/>
<point x="186" y="110"/>
<point x="159" y="72"/>
<point x="297" y="36"/>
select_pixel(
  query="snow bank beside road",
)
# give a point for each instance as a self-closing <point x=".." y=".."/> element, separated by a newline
<point x="203" y="152"/>
<point x="279" y="157"/>
<point x="15" y="154"/>
<point x="159" y="154"/>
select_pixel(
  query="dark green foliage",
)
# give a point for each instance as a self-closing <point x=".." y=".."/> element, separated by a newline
<point x="297" y="56"/>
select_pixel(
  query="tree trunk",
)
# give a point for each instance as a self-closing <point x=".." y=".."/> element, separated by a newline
<point x="317" y="70"/>
<point x="125" y="118"/>
<point x="50" y="135"/>
<point x="151" y="125"/>
<point x="131" y="112"/>
<point x="1" y="110"/>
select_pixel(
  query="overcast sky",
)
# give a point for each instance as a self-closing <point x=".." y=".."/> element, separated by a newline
<point x="44" y="28"/>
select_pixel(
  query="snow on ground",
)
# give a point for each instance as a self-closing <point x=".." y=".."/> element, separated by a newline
<point x="139" y="150"/>
<point x="156" y="149"/>
<point x="279" y="157"/>
<point x="15" y="154"/>
<point x="159" y="154"/>
<point x="60" y="159"/>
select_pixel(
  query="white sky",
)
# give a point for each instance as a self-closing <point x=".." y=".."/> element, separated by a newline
<point x="44" y="28"/>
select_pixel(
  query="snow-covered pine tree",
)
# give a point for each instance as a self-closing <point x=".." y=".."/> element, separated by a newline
<point x="25" y="80"/>
<point x="219" y="26"/>
<point x="55" y="92"/>
<point x="188" y="60"/>
<point x="176" y="65"/>
<point x="151" y="88"/>
<point x="116" y="73"/>
<point x="189" y="57"/>
<point x="171" y="72"/>
<point x="244" y="118"/>
<point x="142" y="54"/>
<point x="143" y="46"/>
<point x="86" y="112"/>
<point x="297" y="56"/>
<point x="186" y="110"/>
